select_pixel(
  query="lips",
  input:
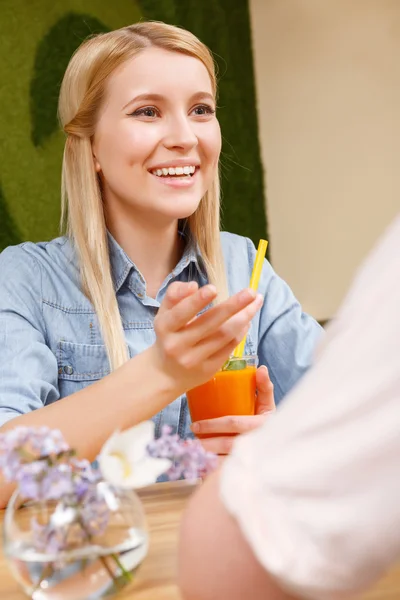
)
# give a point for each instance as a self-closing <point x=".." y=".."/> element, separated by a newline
<point x="175" y="179"/>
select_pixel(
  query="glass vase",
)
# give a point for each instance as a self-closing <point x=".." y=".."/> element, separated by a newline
<point x="59" y="550"/>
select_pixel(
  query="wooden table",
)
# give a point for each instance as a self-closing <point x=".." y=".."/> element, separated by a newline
<point x="155" y="580"/>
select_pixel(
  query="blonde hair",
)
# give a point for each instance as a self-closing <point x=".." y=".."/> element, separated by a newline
<point x="82" y="92"/>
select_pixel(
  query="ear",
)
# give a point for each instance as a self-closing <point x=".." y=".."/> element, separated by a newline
<point x="96" y="163"/>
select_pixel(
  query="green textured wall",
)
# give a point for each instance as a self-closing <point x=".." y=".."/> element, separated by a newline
<point x="37" y="38"/>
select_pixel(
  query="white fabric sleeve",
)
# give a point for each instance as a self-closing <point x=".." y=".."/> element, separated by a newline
<point x="316" y="490"/>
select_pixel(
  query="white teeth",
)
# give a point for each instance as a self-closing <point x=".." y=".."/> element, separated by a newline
<point x="188" y="170"/>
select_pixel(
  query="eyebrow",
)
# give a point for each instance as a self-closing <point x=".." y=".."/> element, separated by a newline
<point x="159" y="98"/>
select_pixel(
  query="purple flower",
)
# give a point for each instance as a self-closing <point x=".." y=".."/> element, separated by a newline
<point x="72" y="523"/>
<point x="80" y="504"/>
<point x="24" y="445"/>
<point x="188" y="457"/>
<point x="48" y="538"/>
<point x="95" y="514"/>
<point x="39" y="461"/>
<point x="29" y="479"/>
<point x="38" y="481"/>
<point x="49" y="442"/>
<point x="84" y="477"/>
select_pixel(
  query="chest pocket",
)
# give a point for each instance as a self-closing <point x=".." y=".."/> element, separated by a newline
<point x="79" y="365"/>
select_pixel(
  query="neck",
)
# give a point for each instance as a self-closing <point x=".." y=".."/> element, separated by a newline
<point x="154" y="248"/>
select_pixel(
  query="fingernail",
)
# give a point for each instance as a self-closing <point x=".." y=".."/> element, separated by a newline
<point x="260" y="299"/>
<point x="193" y="286"/>
<point x="181" y="291"/>
<point x="208" y="292"/>
<point x="247" y="294"/>
<point x="195" y="427"/>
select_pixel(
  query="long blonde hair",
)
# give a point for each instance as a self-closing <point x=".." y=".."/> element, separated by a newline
<point x="82" y="92"/>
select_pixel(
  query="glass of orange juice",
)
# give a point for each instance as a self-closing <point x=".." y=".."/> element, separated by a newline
<point x="232" y="391"/>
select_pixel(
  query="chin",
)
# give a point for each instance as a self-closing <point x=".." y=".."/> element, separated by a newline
<point x="184" y="210"/>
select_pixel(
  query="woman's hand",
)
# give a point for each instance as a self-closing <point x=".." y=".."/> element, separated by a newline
<point x="221" y="443"/>
<point x="191" y="348"/>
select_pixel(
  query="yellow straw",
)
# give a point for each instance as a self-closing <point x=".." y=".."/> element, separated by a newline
<point x="255" y="278"/>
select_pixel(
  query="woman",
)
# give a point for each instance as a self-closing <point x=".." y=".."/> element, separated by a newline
<point x="114" y="302"/>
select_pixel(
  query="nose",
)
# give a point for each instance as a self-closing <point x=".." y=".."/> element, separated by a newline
<point x="179" y="134"/>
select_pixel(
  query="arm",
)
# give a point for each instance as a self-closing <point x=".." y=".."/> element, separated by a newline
<point x="315" y="492"/>
<point x="215" y="560"/>
<point x="29" y="377"/>
<point x="183" y="355"/>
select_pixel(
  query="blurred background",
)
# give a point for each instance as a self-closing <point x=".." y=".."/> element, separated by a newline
<point x="309" y="109"/>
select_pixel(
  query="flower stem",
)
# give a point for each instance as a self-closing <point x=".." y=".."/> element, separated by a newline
<point x="48" y="570"/>
<point x="127" y="575"/>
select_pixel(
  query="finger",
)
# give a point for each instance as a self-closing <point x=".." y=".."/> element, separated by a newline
<point x="179" y="314"/>
<point x="177" y="291"/>
<point x="220" y="316"/>
<point x="219" y="445"/>
<point x="213" y="363"/>
<point x="232" y="424"/>
<point x="265" y="392"/>
<point x="229" y="334"/>
<point x="182" y="315"/>
<point x="210" y="354"/>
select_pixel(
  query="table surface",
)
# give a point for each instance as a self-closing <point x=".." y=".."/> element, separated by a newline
<point x="155" y="579"/>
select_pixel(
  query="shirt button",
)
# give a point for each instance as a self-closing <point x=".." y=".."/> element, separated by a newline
<point x="68" y="370"/>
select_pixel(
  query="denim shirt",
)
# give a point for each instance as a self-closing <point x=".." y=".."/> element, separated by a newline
<point x="50" y="340"/>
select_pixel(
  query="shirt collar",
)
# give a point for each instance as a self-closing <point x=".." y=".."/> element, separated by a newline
<point x="122" y="265"/>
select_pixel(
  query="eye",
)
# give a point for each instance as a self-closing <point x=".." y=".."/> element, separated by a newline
<point x="203" y="109"/>
<point x="150" y="112"/>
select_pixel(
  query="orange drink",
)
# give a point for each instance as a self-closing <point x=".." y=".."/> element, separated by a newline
<point x="232" y="391"/>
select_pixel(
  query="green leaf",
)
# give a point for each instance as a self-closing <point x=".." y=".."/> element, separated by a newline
<point x="234" y="364"/>
<point x="52" y="56"/>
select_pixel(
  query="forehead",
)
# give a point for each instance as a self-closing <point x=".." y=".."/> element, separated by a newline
<point x="159" y="71"/>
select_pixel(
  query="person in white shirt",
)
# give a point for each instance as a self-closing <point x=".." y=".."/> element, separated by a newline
<point x="308" y="505"/>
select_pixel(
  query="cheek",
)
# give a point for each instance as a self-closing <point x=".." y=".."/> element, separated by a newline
<point x="139" y="143"/>
<point x="126" y="146"/>
<point x="211" y="143"/>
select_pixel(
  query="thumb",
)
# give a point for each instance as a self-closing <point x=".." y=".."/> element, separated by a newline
<point x="265" y="391"/>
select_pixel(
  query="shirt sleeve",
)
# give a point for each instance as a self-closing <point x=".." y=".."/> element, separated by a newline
<point x="287" y="336"/>
<point x="316" y="491"/>
<point x="28" y="368"/>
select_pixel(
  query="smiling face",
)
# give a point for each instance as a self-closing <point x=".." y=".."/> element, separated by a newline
<point x="157" y="141"/>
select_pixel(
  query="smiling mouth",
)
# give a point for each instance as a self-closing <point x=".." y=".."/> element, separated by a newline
<point x="175" y="172"/>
